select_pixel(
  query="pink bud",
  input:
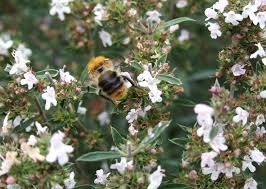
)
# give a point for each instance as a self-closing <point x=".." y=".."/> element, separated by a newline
<point x="193" y="175"/>
<point x="10" y="180"/>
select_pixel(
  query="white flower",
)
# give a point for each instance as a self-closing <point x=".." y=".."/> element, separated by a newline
<point x="58" y="150"/>
<point x="233" y="18"/>
<point x="264" y="61"/>
<point x="173" y="28"/>
<point x="238" y="70"/>
<point x="122" y="165"/>
<point x="33" y="153"/>
<point x="204" y="119"/>
<point x="26" y="52"/>
<point x="104" y="118"/>
<point x="127" y="83"/>
<point x="221" y="5"/>
<point x="57" y="186"/>
<point x="17" y="120"/>
<point x="132" y="12"/>
<point x="5" y="44"/>
<point x="106" y="38"/>
<point x="8" y="162"/>
<point x="260" y="52"/>
<point x="247" y="163"/>
<point x="217" y="143"/>
<point x="60" y="7"/>
<point x="210" y="13"/>
<point x="32" y="140"/>
<point x="101" y="177"/>
<point x="50" y="97"/>
<point x="65" y="76"/>
<point x="81" y="110"/>
<point x="155" y="179"/>
<point x="40" y="130"/>
<point x="181" y="4"/>
<point x="228" y="171"/>
<point x="207" y="159"/>
<point x="99" y="12"/>
<point x="132" y="115"/>
<point x="260" y="131"/>
<point x="215" y="30"/>
<point x="249" y="11"/>
<point x="263" y="94"/>
<point x="153" y="16"/>
<point x="260" y="119"/>
<point x="132" y="130"/>
<point x="215" y="170"/>
<point x="261" y="19"/>
<point x="250" y="184"/>
<point x="70" y="182"/>
<point x="257" y="156"/>
<point x="242" y="115"/>
<point x="184" y="35"/>
<point x="155" y="95"/>
<point x="7" y="124"/>
<point x="29" y="79"/>
<point x="19" y="67"/>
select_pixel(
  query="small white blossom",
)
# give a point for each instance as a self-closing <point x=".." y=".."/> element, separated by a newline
<point x="60" y="7"/>
<point x="29" y="79"/>
<point x="181" y="4"/>
<point x="132" y="115"/>
<point x="228" y="171"/>
<point x="26" y="52"/>
<point x="122" y="165"/>
<point x="127" y="83"/>
<point x="156" y="178"/>
<point x="261" y="19"/>
<point x="260" y="52"/>
<point x="58" y="150"/>
<point x="8" y="162"/>
<point x="106" y="38"/>
<point x="247" y="163"/>
<point x="33" y="153"/>
<point x="99" y="12"/>
<point x="173" y="28"/>
<point x="215" y="170"/>
<point x="221" y="5"/>
<point x="250" y="184"/>
<point x="263" y="94"/>
<point x="207" y="159"/>
<point x="215" y="30"/>
<point x="5" y="44"/>
<point x="104" y="118"/>
<point x="249" y="11"/>
<point x="238" y="70"/>
<point x="50" y="97"/>
<point x="32" y="140"/>
<point x="40" y="130"/>
<point x="7" y="124"/>
<point x="17" y="121"/>
<point x="57" y="186"/>
<point x="260" y="119"/>
<point x="260" y="131"/>
<point x="257" y="156"/>
<point x="210" y="13"/>
<point x="65" y="77"/>
<point x="153" y="16"/>
<point x="217" y="143"/>
<point x="155" y="95"/>
<point x="101" y="177"/>
<point x="132" y="130"/>
<point x="242" y="115"/>
<point x="184" y="36"/>
<point x="19" y="67"/>
<point x="233" y="18"/>
<point x="70" y="182"/>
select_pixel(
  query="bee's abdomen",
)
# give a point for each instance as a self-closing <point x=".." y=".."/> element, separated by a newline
<point x="110" y="82"/>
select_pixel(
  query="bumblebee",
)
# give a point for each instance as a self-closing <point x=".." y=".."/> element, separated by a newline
<point x="104" y="75"/>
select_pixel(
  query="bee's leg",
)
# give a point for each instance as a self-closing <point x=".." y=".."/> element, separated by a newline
<point x="106" y="97"/>
<point x="129" y="80"/>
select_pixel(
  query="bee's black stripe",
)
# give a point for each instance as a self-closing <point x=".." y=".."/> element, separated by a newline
<point x="109" y="82"/>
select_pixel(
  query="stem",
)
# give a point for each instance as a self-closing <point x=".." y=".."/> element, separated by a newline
<point x="232" y="89"/>
<point x="42" y="114"/>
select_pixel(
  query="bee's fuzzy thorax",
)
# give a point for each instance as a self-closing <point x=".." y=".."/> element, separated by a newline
<point x="95" y="62"/>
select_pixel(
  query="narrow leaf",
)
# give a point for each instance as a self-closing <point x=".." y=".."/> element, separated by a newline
<point x="179" y="141"/>
<point x="23" y="125"/>
<point x="175" y="186"/>
<point x="117" y="138"/>
<point x="214" y="132"/>
<point x="84" y="75"/>
<point x="175" y="21"/>
<point x="41" y="74"/>
<point x="98" y="156"/>
<point x="84" y="187"/>
<point x="136" y="65"/>
<point x="169" y="79"/>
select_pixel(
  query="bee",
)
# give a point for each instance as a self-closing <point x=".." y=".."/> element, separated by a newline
<point x="107" y="78"/>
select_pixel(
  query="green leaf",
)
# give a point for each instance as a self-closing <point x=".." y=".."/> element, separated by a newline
<point x="148" y="140"/>
<point x="84" y="75"/>
<point x="136" y="65"/>
<point x="204" y="74"/>
<point x="117" y="137"/>
<point x="174" y="186"/>
<point x="23" y="125"/>
<point x="179" y="141"/>
<point x="175" y="21"/>
<point x="169" y="79"/>
<point x="214" y="132"/>
<point x="185" y="102"/>
<point x="93" y="90"/>
<point x="41" y="74"/>
<point x="162" y="59"/>
<point x="84" y="187"/>
<point x="98" y="156"/>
